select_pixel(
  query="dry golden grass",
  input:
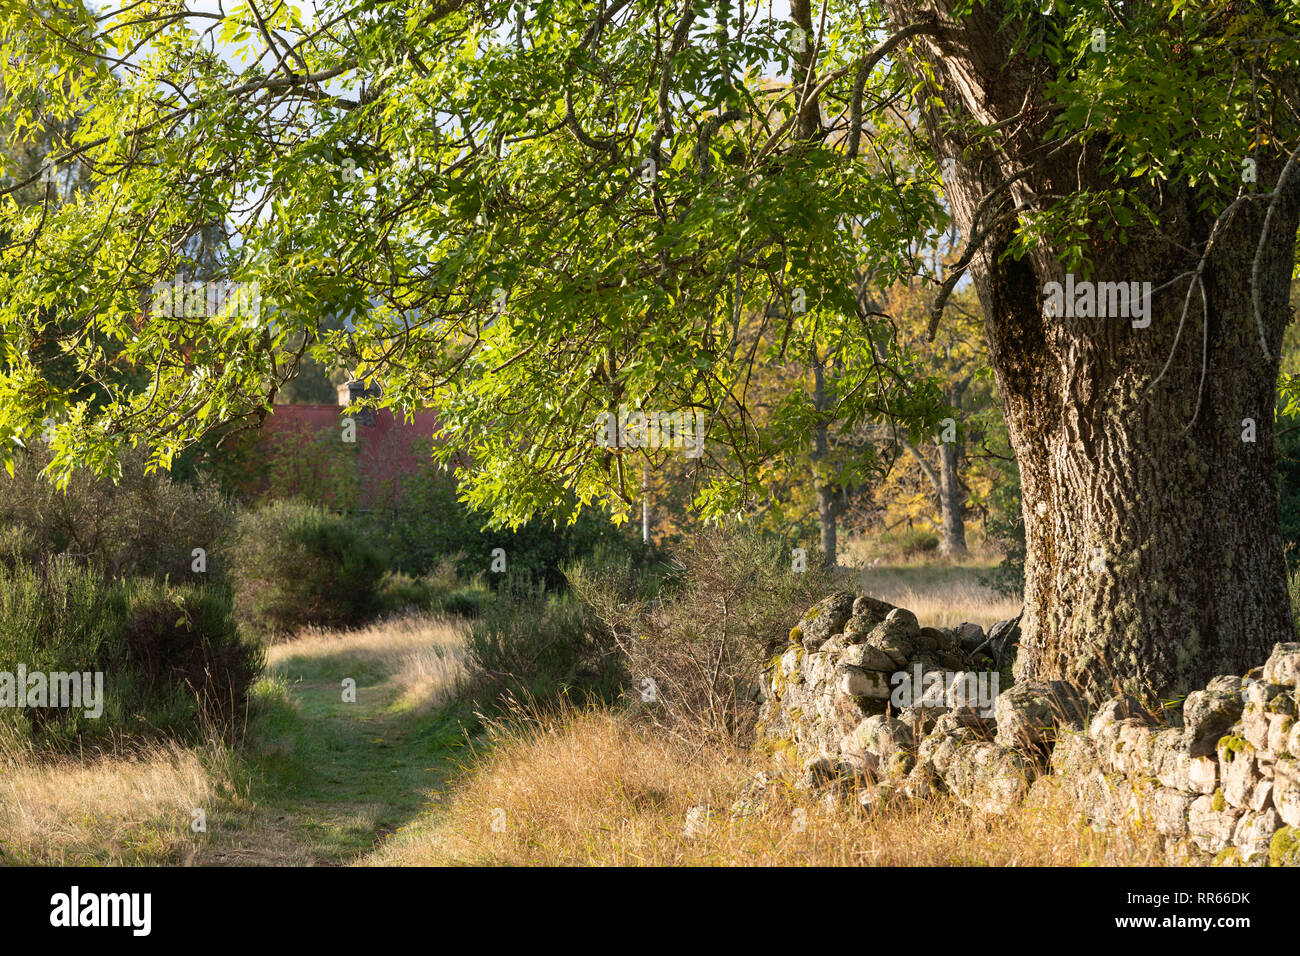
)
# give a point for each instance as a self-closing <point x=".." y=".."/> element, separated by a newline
<point x="422" y="658"/>
<point x="597" y="789"/>
<point x="941" y="595"/>
<point x="134" y="806"/>
<point x="115" y="810"/>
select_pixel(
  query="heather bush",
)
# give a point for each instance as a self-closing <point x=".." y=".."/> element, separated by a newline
<point x="141" y="525"/>
<point x="295" y="564"/>
<point x="171" y="658"/>
<point x="696" y="636"/>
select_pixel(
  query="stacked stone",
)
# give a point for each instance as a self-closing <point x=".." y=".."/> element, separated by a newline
<point x="1220" y="778"/>
<point x="828" y="692"/>
<point x="828" y="697"/>
<point x="1226" y="782"/>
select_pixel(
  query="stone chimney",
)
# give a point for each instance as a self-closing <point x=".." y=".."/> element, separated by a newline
<point x="355" y="390"/>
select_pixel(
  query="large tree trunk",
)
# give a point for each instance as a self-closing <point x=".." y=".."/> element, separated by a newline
<point x="1154" y="558"/>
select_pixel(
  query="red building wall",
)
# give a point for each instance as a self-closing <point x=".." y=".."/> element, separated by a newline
<point x="300" y="452"/>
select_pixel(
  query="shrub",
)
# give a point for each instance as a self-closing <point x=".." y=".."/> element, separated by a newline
<point x="908" y="543"/>
<point x="531" y="644"/>
<point x="294" y="564"/>
<point x="695" y="649"/>
<point x="171" y="658"/>
<point x="442" y="591"/>
<point x="144" y="525"/>
<point x="465" y="602"/>
<point x="431" y="524"/>
<point x="1288" y="489"/>
<point x="187" y="638"/>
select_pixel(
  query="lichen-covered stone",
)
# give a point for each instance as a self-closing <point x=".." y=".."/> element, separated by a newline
<point x="1286" y="790"/>
<point x="969" y="636"/>
<point x="1073" y="754"/>
<point x="951" y="719"/>
<point x="921" y="783"/>
<point x="1208" y="714"/>
<point x="1218" y="778"/>
<point x="904" y="620"/>
<point x="921" y="720"/>
<point x="1284" y="848"/>
<point x="897" y="637"/>
<point x="1170" y="759"/>
<point x="868" y="658"/>
<point x="936" y="750"/>
<point x="1134" y="746"/>
<point x="1203" y="774"/>
<point x="1254" y="832"/>
<point x="1002" y="642"/>
<point x="1264" y="702"/>
<point x="1169" y="811"/>
<point x="1113" y="711"/>
<point x="855" y="682"/>
<point x="1211" y="824"/>
<point x="883" y="736"/>
<point x="859" y="762"/>
<point x="1283" y="665"/>
<point x="867" y="612"/>
<point x="1279" y="727"/>
<point x="825" y="619"/>
<point x="987" y="777"/>
<point x="1030" y="713"/>
<point x="1240" y="776"/>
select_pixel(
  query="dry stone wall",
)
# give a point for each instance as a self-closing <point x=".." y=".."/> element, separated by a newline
<point x="867" y="702"/>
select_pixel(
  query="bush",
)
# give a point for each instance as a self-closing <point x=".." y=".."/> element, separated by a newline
<point x="442" y="591"/>
<point x="295" y="564"/>
<point x="533" y="645"/>
<point x="1288" y="490"/>
<point x="1293" y="591"/>
<point x="696" y="639"/>
<point x="144" y="525"/>
<point x="431" y="524"/>
<point x="186" y="638"/>
<point x="910" y="543"/>
<point x="170" y="656"/>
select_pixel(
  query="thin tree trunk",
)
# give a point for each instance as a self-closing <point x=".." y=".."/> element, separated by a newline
<point x="952" y="497"/>
<point x="952" y="502"/>
<point x="827" y="512"/>
<point x="645" y="506"/>
<point x="948" y="494"/>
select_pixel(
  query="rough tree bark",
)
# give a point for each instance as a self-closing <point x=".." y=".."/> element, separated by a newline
<point x="1154" y="558"/>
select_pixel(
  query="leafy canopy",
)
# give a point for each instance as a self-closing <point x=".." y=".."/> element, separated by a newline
<point x="527" y="212"/>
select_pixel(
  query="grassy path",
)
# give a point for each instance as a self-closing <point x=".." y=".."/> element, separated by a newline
<point x="327" y="780"/>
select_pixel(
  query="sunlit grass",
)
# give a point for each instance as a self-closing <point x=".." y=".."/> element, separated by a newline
<point x="597" y="789"/>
